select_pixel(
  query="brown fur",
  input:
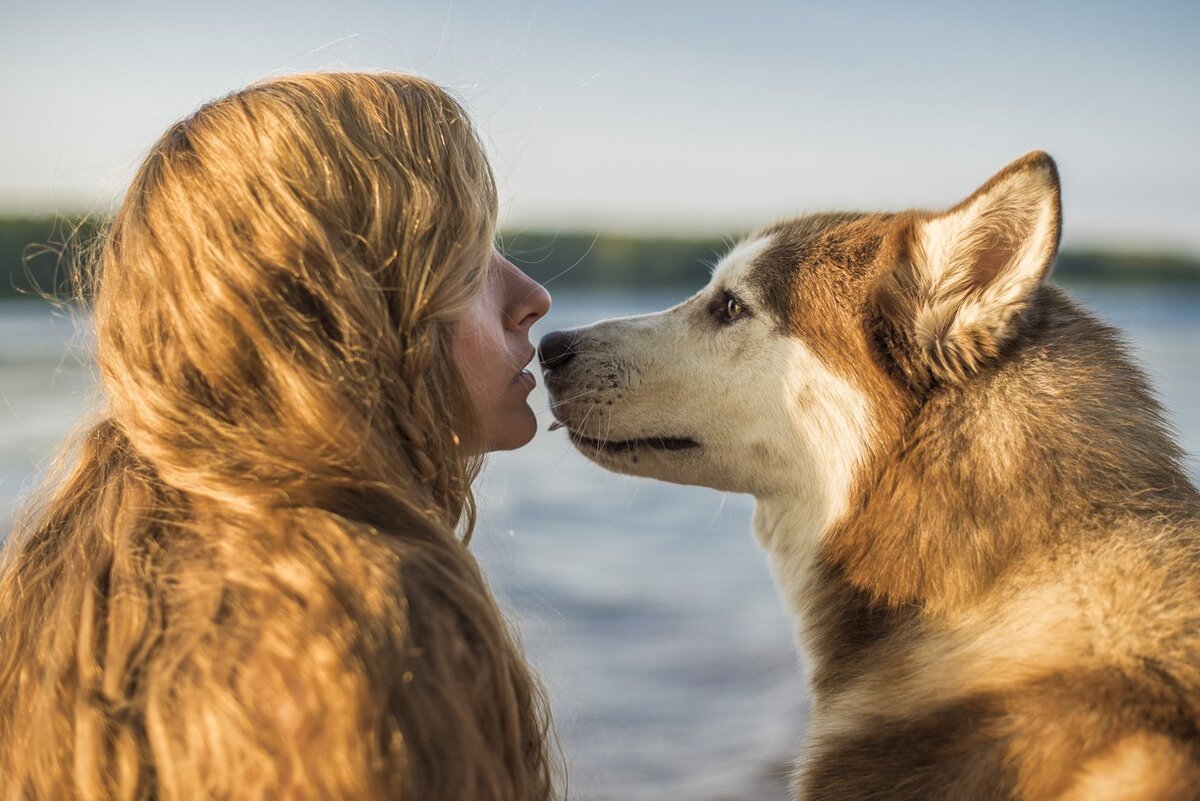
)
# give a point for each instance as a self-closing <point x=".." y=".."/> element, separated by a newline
<point x="1011" y="607"/>
<point x="965" y="487"/>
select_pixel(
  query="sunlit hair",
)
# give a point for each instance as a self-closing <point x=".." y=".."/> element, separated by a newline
<point x="252" y="581"/>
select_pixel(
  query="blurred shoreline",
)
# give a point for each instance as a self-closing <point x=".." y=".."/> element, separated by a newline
<point x="39" y="255"/>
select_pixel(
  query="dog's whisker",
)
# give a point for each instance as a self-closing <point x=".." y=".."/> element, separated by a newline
<point x="553" y="404"/>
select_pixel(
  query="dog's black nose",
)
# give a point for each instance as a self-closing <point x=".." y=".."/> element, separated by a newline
<point x="555" y="349"/>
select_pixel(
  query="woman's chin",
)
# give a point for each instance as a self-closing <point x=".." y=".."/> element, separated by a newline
<point x="517" y="431"/>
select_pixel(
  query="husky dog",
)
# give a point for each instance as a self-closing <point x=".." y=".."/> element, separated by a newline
<point x="965" y="488"/>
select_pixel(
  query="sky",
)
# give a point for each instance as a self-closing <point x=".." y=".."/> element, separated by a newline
<point x="630" y="115"/>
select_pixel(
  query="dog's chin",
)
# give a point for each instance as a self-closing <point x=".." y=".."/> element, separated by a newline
<point x="667" y="458"/>
<point x="632" y="447"/>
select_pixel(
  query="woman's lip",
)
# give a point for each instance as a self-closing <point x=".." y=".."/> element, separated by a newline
<point x="525" y="377"/>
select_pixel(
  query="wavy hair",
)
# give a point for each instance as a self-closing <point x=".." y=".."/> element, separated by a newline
<point x="250" y="582"/>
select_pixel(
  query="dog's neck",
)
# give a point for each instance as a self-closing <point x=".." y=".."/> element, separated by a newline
<point x="834" y="620"/>
<point x="789" y="529"/>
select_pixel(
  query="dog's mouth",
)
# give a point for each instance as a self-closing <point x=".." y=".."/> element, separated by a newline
<point x="626" y="446"/>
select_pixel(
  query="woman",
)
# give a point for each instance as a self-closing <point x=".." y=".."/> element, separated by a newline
<point x="250" y="584"/>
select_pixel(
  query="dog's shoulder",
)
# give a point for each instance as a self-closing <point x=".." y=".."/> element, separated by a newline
<point x="1078" y="670"/>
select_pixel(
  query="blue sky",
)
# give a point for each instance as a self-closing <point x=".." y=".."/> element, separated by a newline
<point x="695" y="117"/>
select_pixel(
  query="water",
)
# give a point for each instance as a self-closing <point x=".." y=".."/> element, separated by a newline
<point x="45" y="378"/>
<point x="646" y="607"/>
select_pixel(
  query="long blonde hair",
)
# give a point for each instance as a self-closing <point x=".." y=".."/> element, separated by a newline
<point x="249" y="582"/>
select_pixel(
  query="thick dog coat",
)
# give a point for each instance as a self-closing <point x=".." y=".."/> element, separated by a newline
<point x="966" y="491"/>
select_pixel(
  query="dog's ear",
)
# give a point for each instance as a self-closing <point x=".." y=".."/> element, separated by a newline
<point x="963" y="278"/>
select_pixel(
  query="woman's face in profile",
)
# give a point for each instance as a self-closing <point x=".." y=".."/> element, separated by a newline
<point x="491" y="344"/>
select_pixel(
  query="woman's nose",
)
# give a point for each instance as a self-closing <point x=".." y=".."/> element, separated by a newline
<point x="530" y="300"/>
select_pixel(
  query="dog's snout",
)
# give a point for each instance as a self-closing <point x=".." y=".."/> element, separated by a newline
<point x="555" y="349"/>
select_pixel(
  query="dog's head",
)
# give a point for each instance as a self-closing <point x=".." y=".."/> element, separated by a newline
<point x="811" y="343"/>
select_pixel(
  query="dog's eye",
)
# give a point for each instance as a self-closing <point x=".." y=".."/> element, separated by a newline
<point x="728" y="308"/>
<point x="733" y="309"/>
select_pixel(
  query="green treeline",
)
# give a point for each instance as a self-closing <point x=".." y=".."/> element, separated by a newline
<point x="612" y="260"/>
<point x="38" y="257"/>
